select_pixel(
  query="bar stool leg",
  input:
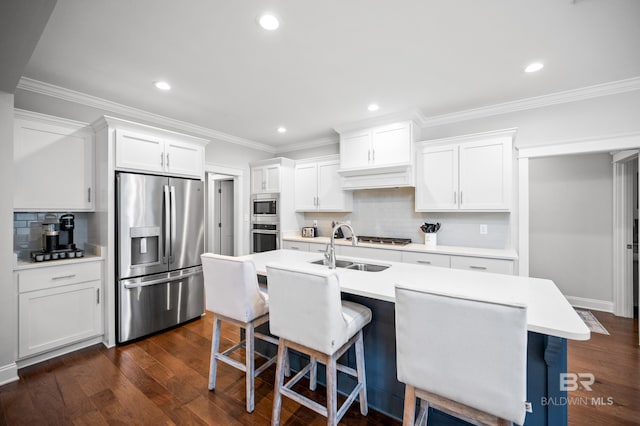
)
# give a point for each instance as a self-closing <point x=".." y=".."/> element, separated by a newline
<point x="332" y="394"/>
<point x="250" y="365"/>
<point x="279" y="382"/>
<point x="215" y="346"/>
<point x="362" y="378"/>
<point x="313" y="373"/>
<point x="409" y="405"/>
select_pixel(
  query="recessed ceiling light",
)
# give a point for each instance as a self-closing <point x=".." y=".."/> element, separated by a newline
<point x="281" y="129"/>
<point x="162" y="85"/>
<point x="373" y="107"/>
<point x="536" y="66"/>
<point x="268" y="22"/>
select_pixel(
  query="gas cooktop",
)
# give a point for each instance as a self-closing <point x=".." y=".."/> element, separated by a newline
<point x="383" y="240"/>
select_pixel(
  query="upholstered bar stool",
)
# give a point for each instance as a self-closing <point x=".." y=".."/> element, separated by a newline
<point x="233" y="295"/>
<point x="467" y="358"/>
<point x="309" y="317"/>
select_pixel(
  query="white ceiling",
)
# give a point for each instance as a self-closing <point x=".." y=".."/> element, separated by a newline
<point x="329" y="59"/>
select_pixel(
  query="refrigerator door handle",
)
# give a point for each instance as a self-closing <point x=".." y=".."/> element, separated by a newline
<point x="173" y="222"/>
<point x="163" y="280"/>
<point x="167" y="224"/>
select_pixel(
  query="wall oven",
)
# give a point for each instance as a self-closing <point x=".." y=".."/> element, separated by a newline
<point x="265" y="206"/>
<point x="265" y="237"/>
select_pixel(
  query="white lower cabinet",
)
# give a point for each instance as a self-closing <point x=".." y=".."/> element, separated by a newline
<point x="58" y="306"/>
<point x="317" y="247"/>
<point x="482" y="264"/>
<point x="430" y="259"/>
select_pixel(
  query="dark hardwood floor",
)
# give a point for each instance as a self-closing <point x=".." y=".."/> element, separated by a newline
<point x="159" y="380"/>
<point x="163" y="380"/>
<point x="614" y="360"/>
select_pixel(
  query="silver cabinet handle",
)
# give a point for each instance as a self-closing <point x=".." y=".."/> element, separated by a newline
<point x="373" y="155"/>
<point x="426" y="262"/>
<point x="368" y="156"/>
<point x="455" y="197"/>
<point x="294" y="248"/>
<point x="89" y="195"/>
<point x="167" y="160"/>
<point x="460" y="197"/>
<point x="318" y="201"/>
<point x="63" y="277"/>
<point x="478" y="267"/>
<point x="97" y="296"/>
<point x="162" y="159"/>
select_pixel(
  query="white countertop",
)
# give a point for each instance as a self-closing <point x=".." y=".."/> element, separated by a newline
<point x="448" y="250"/>
<point x="24" y="264"/>
<point x="548" y="311"/>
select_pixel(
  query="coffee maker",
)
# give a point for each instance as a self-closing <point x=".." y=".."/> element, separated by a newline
<point x="65" y="238"/>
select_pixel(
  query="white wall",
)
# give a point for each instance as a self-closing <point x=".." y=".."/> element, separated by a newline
<point x="8" y="299"/>
<point x="571" y="220"/>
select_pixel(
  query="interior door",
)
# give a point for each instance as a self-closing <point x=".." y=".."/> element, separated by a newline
<point x="140" y="222"/>
<point x="187" y="223"/>
<point x="226" y="217"/>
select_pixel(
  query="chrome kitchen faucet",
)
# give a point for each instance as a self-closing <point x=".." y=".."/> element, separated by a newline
<point x="330" y="254"/>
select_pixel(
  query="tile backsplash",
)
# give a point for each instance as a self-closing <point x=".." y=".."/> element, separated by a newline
<point x="27" y="231"/>
<point x="391" y="213"/>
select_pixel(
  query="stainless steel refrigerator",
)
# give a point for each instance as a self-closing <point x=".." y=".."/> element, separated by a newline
<point x="159" y="240"/>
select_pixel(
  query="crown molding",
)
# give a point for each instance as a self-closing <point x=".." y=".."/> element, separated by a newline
<point x="574" y="95"/>
<point x="315" y="143"/>
<point x="62" y="93"/>
<point x="414" y="115"/>
<point x="587" y="145"/>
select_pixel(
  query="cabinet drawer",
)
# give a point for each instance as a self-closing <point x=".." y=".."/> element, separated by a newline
<point x="55" y="276"/>
<point x="295" y="245"/>
<point x="499" y="266"/>
<point x="369" y="253"/>
<point x="430" y="259"/>
<point x="317" y="247"/>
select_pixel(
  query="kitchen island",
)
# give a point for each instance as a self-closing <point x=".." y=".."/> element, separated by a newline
<point x="550" y="322"/>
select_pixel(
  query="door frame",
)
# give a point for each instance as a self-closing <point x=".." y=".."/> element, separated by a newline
<point x="215" y="172"/>
<point x="609" y="144"/>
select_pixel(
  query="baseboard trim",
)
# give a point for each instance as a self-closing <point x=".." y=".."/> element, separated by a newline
<point x="595" y="304"/>
<point x="9" y="373"/>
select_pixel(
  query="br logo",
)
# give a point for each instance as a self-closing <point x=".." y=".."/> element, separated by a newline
<point x="573" y="381"/>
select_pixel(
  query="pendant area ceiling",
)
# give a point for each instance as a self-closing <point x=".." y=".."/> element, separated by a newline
<point x="330" y="59"/>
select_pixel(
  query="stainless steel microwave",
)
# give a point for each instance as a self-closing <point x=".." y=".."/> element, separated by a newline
<point x="265" y="205"/>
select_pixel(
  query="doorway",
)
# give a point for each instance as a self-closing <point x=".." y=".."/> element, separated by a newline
<point x="224" y="211"/>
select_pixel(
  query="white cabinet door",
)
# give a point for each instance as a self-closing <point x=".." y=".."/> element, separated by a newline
<point x="257" y="180"/>
<point x="485" y="174"/>
<point x="183" y="158"/>
<point x="59" y="316"/>
<point x="331" y="197"/>
<point x="265" y="179"/>
<point x="53" y="167"/>
<point x="391" y="144"/>
<point x="437" y="178"/>
<point x="355" y="149"/>
<point x="317" y="247"/>
<point x="137" y="151"/>
<point x="306" y="187"/>
<point x="272" y="174"/>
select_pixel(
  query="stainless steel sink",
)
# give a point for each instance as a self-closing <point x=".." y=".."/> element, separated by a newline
<point x="339" y="263"/>
<point x="369" y="267"/>
<point x="358" y="266"/>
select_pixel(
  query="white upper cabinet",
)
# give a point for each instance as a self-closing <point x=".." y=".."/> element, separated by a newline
<point x="148" y="152"/>
<point x="265" y="179"/>
<point x="378" y="157"/>
<point x="466" y="173"/>
<point x="377" y="146"/>
<point x="318" y="187"/>
<point x="53" y="164"/>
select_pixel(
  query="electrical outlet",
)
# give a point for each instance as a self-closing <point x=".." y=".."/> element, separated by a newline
<point x="483" y="230"/>
<point x="315" y="223"/>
